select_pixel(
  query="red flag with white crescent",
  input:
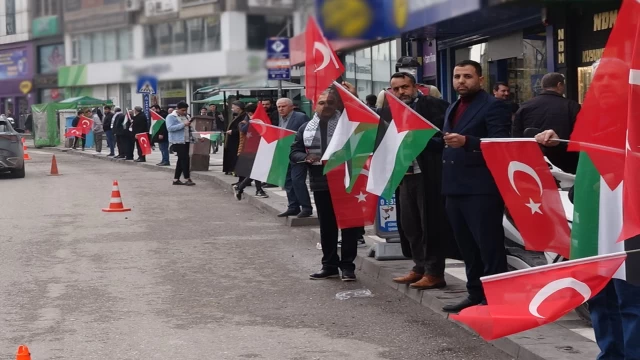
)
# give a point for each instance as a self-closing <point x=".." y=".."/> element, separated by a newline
<point x="85" y="124"/>
<point x="354" y="209"/>
<point x="261" y="114"/>
<point x="322" y="65"/>
<point x="143" y="141"/>
<point x="73" y="132"/>
<point x="525" y="299"/>
<point x="530" y="193"/>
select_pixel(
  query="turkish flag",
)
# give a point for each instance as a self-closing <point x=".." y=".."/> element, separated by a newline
<point x="322" y="65"/>
<point x="73" y="132"/>
<point x="525" y="299"/>
<point x="261" y="114"/>
<point x="530" y="193"/>
<point x="354" y="209"/>
<point x="631" y="184"/>
<point x="85" y="124"/>
<point x="143" y="141"/>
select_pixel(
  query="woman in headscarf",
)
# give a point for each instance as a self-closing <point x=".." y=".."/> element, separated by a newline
<point x="232" y="138"/>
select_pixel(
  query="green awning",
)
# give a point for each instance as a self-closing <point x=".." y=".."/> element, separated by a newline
<point x="86" y="101"/>
<point x="248" y="85"/>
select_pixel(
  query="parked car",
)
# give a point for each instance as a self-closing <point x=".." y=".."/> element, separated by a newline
<point x="11" y="151"/>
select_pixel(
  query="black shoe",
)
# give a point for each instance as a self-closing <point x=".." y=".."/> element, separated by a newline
<point x="290" y="212"/>
<point x="261" y="194"/>
<point x="456" y="308"/>
<point x="128" y="158"/>
<point x="140" y="160"/>
<point x="118" y="157"/>
<point x="110" y="155"/>
<point x="163" y="164"/>
<point x="324" y="274"/>
<point x="348" y="275"/>
<point x="189" y="183"/>
<point x="305" y="214"/>
<point x="178" y="182"/>
<point x="237" y="193"/>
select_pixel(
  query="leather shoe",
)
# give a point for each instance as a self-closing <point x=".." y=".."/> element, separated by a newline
<point x="409" y="278"/>
<point x="290" y="212"/>
<point x="429" y="282"/>
<point x="456" y="308"/>
<point x="304" y="214"/>
<point x="324" y="274"/>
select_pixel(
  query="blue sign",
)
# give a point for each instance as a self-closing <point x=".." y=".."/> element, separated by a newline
<point x="373" y="19"/>
<point x="278" y="61"/>
<point x="387" y="221"/>
<point x="147" y="85"/>
<point x="146" y="105"/>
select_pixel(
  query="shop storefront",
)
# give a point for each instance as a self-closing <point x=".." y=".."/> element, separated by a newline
<point x="16" y="80"/>
<point x="580" y="34"/>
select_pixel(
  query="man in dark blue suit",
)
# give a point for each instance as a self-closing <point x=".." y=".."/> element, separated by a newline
<point x="473" y="202"/>
<point x="296" y="180"/>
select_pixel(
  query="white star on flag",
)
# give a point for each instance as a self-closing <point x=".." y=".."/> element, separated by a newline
<point x="249" y="135"/>
<point x="535" y="207"/>
<point x="361" y="197"/>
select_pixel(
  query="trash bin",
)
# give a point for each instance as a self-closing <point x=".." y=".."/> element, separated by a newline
<point x="202" y="147"/>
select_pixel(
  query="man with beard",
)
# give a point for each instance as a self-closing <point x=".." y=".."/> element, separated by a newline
<point x="420" y="204"/>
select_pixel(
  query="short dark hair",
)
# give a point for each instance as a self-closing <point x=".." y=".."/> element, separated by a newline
<point x="496" y="87"/>
<point x="81" y="111"/>
<point x="239" y="104"/>
<point x="107" y="107"/>
<point x="182" y="105"/>
<point x="371" y="99"/>
<point x="475" y="64"/>
<point x="267" y="99"/>
<point x="251" y="107"/>
<point x="551" y="80"/>
<point x="404" y="74"/>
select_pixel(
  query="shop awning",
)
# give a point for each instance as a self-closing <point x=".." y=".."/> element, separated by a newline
<point x="219" y="100"/>
<point x="248" y="85"/>
<point x="87" y="101"/>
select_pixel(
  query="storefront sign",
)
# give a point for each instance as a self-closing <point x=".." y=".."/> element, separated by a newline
<point x="14" y="63"/>
<point x="97" y="22"/>
<point x="429" y="68"/>
<point x="135" y="71"/>
<point x="278" y="62"/>
<point x="561" y="49"/>
<point x="590" y="56"/>
<point x="372" y="19"/>
<point x="604" y="20"/>
<point x="26" y="86"/>
<point x="44" y="81"/>
<point x="45" y="26"/>
<point x="593" y="33"/>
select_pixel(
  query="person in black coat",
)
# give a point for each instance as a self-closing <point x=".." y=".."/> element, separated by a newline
<point x="139" y="126"/>
<point x="106" y="126"/>
<point x="232" y="139"/>
<point x="162" y="139"/>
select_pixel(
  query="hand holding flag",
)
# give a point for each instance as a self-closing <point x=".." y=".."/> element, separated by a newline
<point x="85" y="124"/>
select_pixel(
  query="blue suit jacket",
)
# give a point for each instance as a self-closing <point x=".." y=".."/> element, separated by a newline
<point x="296" y="121"/>
<point x="464" y="171"/>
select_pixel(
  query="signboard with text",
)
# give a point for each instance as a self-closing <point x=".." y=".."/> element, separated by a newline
<point x="278" y="61"/>
<point x="14" y="64"/>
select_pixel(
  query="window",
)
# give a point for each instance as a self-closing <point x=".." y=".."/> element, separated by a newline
<point x="183" y="36"/>
<point x="50" y="58"/>
<point x="10" y="7"/>
<point x="262" y="27"/>
<point x="200" y="83"/>
<point x="101" y="46"/>
<point x="46" y="7"/>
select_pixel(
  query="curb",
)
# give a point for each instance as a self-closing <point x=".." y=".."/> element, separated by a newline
<point x="549" y="342"/>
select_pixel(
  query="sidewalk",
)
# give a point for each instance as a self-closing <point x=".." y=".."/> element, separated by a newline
<point x="570" y="338"/>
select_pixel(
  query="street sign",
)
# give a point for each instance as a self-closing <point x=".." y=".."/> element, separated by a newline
<point x="278" y="61"/>
<point x="146" y="105"/>
<point x="374" y="19"/>
<point x="147" y="85"/>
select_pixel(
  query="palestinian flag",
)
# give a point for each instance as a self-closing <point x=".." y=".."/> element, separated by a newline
<point x="213" y="136"/>
<point x="354" y="137"/>
<point x="405" y="138"/>
<point x="156" y="123"/>
<point x="265" y="156"/>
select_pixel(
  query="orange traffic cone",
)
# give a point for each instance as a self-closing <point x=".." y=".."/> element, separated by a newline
<point x="23" y="353"/>
<point x="115" y="205"/>
<point x="24" y="147"/>
<point x="54" y="166"/>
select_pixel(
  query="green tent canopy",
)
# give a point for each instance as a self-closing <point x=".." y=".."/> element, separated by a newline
<point x="86" y="101"/>
<point x="219" y="100"/>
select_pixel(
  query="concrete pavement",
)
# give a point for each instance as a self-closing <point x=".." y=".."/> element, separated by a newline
<point x="189" y="273"/>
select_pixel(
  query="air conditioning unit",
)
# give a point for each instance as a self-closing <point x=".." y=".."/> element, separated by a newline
<point x="160" y="7"/>
<point x="133" y="5"/>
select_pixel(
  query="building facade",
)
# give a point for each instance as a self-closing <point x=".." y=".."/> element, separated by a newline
<point x="49" y="50"/>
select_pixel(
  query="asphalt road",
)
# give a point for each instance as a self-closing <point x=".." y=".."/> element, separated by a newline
<point x="189" y="273"/>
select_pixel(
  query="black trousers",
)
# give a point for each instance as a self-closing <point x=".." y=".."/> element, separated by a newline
<point x="119" y="145"/>
<point x="477" y="225"/>
<point x="82" y="138"/>
<point x="183" y="166"/>
<point x="426" y="253"/>
<point x="329" y="236"/>
<point x="247" y="181"/>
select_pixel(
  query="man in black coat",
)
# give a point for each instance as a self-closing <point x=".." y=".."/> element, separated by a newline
<point x="119" y="122"/>
<point x="139" y="126"/>
<point x="106" y="126"/>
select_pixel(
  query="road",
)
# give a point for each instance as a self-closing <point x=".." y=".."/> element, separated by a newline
<point x="189" y="273"/>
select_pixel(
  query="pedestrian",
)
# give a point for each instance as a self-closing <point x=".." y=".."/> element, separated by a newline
<point x="310" y="143"/>
<point x="244" y="129"/>
<point x="128" y="137"/>
<point x="161" y="137"/>
<point x="108" y="131"/>
<point x="232" y="138"/>
<point x="551" y="111"/>
<point x="82" y="138"/>
<point x="272" y="111"/>
<point x="371" y="101"/>
<point x="420" y="204"/>
<point x="139" y="126"/>
<point x="117" y="125"/>
<point x="502" y="91"/>
<point x="98" y="130"/>
<point x="180" y="138"/>
<point x="296" y="180"/>
<point x="473" y="202"/>
<point x="219" y="126"/>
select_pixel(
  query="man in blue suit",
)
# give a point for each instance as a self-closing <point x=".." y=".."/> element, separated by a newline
<point x="473" y="202"/>
<point x="296" y="180"/>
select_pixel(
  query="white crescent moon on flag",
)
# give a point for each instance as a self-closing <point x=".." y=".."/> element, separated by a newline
<point x="326" y="55"/>
<point x="515" y="166"/>
<point x="85" y="123"/>
<point x="555" y="286"/>
<point x="144" y="140"/>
